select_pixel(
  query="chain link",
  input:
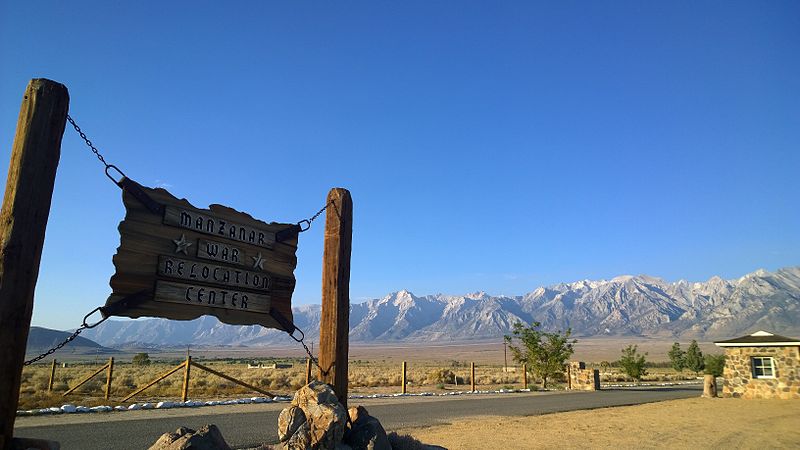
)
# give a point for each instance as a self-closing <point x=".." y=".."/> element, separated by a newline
<point x="57" y="347"/>
<point x="75" y="334"/>
<point x="310" y="220"/>
<point x="88" y="142"/>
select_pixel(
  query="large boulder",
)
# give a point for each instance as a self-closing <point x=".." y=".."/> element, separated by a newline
<point x="366" y="432"/>
<point x="327" y="424"/>
<point x="315" y="393"/>
<point x="315" y="419"/>
<point x="289" y="421"/>
<point x="207" y="437"/>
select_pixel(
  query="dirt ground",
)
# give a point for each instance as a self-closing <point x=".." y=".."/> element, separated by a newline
<point x="692" y="423"/>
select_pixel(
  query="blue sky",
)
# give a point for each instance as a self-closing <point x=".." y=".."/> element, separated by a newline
<point x="493" y="146"/>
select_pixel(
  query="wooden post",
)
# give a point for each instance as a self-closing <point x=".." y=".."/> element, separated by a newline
<point x="308" y="370"/>
<point x="403" y="378"/>
<point x="472" y="376"/>
<point x="108" y="376"/>
<point x="335" y="323"/>
<point x="525" y="376"/>
<point x="185" y="388"/>
<point x="52" y="376"/>
<point x="23" y="219"/>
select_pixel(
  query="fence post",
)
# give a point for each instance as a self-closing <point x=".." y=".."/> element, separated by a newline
<point x="52" y="376"/>
<point x="525" y="376"/>
<point x="403" y="378"/>
<point x="308" y="370"/>
<point x="335" y="322"/>
<point x="23" y="220"/>
<point x="472" y="376"/>
<point x="109" y="374"/>
<point x="185" y="388"/>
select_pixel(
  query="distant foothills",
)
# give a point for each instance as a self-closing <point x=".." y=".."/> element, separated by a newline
<point x="623" y="306"/>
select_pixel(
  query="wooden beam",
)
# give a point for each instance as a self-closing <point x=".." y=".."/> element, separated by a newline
<point x="185" y="388"/>
<point x="308" y="370"/>
<point x="234" y="380"/>
<point x="109" y="375"/>
<point x="335" y="323"/>
<point x="403" y="378"/>
<point x="83" y="381"/>
<point x="161" y="377"/>
<point x="23" y="219"/>
<point x="472" y="375"/>
<point x="52" y="376"/>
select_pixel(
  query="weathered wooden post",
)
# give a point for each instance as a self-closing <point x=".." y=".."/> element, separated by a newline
<point x="472" y="375"/>
<point x="524" y="376"/>
<point x="335" y="324"/>
<point x="185" y="388"/>
<point x="403" y="378"/>
<point x="108" y="376"/>
<point x="29" y="189"/>
<point x="52" y="376"/>
<point x="308" y="370"/>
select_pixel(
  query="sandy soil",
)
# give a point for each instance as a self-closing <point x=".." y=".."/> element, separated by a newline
<point x="693" y="423"/>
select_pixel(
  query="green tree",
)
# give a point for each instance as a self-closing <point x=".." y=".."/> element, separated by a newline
<point x="714" y="364"/>
<point x="545" y="354"/>
<point x="677" y="357"/>
<point x="694" y="358"/>
<point x="141" y="359"/>
<point x="633" y="362"/>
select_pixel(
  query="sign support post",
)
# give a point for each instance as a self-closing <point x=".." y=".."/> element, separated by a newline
<point x="23" y="220"/>
<point x="335" y="323"/>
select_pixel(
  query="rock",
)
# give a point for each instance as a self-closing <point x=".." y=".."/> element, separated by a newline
<point x="207" y="437"/>
<point x="327" y="423"/>
<point x="289" y="421"/>
<point x="301" y="439"/>
<point x="315" y="393"/>
<point x="366" y="432"/>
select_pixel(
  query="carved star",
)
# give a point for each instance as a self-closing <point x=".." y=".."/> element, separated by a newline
<point x="258" y="261"/>
<point x="181" y="245"/>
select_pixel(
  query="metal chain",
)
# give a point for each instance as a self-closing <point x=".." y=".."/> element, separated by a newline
<point x="308" y="222"/>
<point x="57" y="347"/>
<point x="75" y="334"/>
<point x="109" y="167"/>
<point x="88" y="142"/>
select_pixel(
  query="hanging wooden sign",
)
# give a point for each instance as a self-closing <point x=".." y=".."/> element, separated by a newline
<point x="182" y="262"/>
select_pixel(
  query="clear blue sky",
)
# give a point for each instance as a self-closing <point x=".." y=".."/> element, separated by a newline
<point x="493" y="146"/>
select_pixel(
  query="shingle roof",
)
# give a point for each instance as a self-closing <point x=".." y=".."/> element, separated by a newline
<point x="760" y="339"/>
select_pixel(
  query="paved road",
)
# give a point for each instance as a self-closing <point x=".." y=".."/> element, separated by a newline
<point x="257" y="423"/>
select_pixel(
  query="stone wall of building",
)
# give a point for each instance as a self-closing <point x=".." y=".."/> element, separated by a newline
<point x="582" y="379"/>
<point x="740" y="382"/>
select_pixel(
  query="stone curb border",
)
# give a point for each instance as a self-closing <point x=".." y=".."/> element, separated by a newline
<point x="71" y="409"/>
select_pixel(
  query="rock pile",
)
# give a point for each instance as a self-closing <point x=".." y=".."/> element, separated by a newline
<point x="316" y="420"/>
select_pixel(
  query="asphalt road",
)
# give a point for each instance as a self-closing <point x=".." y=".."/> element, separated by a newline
<point x="258" y="423"/>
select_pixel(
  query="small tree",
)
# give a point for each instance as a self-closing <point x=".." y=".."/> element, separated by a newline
<point x="714" y="364"/>
<point x="633" y="362"/>
<point x="141" y="359"/>
<point x="546" y="354"/>
<point x="677" y="357"/>
<point x="694" y="358"/>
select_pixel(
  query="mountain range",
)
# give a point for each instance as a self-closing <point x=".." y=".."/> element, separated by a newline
<point x="623" y="306"/>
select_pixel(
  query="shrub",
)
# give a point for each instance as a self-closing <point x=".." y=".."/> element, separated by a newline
<point x="141" y="359"/>
<point x="714" y="365"/>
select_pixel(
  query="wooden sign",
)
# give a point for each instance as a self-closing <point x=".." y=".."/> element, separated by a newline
<point x="181" y="262"/>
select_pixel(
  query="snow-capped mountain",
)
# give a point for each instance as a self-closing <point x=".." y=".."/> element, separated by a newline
<point x="625" y="305"/>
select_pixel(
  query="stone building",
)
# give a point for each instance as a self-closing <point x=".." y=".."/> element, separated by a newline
<point x="580" y="378"/>
<point x="761" y="365"/>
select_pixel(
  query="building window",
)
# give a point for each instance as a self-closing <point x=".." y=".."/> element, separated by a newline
<point x="763" y="367"/>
